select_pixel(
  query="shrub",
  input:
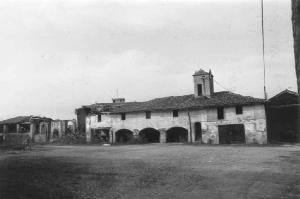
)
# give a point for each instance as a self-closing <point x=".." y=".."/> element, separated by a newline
<point x="71" y="138"/>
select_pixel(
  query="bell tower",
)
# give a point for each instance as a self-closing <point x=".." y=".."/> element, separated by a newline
<point x="203" y="83"/>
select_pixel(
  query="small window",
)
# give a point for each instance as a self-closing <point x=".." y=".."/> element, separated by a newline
<point x="199" y="89"/>
<point x="220" y="113"/>
<point x="175" y="113"/>
<point x="148" y="114"/>
<point x="99" y="118"/>
<point x="239" y="110"/>
<point x="123" y="116"/>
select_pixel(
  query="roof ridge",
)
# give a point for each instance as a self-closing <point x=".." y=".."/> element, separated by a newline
<point x="284" y="91"/>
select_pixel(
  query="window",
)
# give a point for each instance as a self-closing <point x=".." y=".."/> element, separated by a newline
<point x="99" y="118"/>
<point x="199" y="89"/>
<point x="239" y="110"/>
<point x="123" y="116"/>
<point x="175" y="113"/>
<point x="220" y="113"/>
<point x="148" y="114"/>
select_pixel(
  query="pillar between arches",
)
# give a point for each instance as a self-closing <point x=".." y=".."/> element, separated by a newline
<point x="88" y="135"/>
<point x="111" y="136"/>
<point x="162" y="135"/>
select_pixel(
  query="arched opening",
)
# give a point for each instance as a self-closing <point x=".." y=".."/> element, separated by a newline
<point x="177" y="134"/>
<point x="124" y="136"/>
<point x="149" y="135"/>
<point x="55" y="133"/>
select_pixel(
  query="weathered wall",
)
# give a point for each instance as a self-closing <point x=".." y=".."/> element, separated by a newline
<point x="81" y="117"/>
<point x="58" y="125"/>
<point x="17" y="138"/>
<point x="43" y="133"/>
<point x="253" y="118"/>
<point x="39" y="138"/>
<point x="71" y="126"/>
<point x="6" y="133"/>
<point x="206" y="82"/>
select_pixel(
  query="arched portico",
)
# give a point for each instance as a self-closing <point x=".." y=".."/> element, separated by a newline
<point x="149" y="135"/>
<point x="124" y="136"/>
<point x="177" y="134"/>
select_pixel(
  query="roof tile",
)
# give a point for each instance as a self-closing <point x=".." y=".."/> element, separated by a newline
<point x="224" y="98"/>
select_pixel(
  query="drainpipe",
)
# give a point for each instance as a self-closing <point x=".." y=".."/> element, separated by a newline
<point x="190" y="124"/>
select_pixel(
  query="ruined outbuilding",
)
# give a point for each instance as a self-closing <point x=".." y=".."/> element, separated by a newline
<point x="37" y="129"/>
<point x="205" y="116"/>
<point x="62" y="127"/>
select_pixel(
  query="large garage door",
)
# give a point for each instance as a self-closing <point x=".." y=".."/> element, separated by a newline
<point x="231" y="134"/>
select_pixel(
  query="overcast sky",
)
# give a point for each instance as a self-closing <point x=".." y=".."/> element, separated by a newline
<point x="58" y="55"/>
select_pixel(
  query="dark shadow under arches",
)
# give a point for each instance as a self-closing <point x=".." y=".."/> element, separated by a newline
<point x="124" y="136"/>
<point x="149" y="135"/>
<point x="177" y="134"/>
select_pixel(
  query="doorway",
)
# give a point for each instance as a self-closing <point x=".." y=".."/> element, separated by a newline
<point x="231" y="134"/>
<point x="198" y="131"/>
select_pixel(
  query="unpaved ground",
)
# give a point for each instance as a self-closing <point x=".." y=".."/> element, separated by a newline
<point x="151" y="171"/>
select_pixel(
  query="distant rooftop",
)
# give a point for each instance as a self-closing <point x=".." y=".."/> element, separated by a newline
<point x="22" y="119"/>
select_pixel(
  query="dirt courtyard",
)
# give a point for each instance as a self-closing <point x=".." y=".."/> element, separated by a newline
<point x="151" y="171"/>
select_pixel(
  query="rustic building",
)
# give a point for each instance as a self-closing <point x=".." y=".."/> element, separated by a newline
<point x="283" y="117"/>
<point x="38" y="129"/>
<point x="34" y="127"/>
<point x="205" y="116"/>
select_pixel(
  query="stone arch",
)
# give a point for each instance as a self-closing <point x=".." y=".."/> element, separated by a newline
<point x="177" y="134"/>
<point x="149" y="135"/>
<point x="124" y="136"/>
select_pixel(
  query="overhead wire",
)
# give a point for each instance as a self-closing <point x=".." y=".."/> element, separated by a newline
<point x="221" y="85"/>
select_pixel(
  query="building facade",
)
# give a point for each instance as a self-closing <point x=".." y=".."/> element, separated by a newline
<point x="205" y="116"/>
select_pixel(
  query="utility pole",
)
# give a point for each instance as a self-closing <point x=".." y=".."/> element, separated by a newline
<point x="263" y="46"/>
<point x="296" y="34"/>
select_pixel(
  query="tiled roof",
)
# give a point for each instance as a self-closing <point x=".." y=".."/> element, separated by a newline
<point x="23" y="119"/>
<point x="16" y="120"/>
<point x="179" y="102"/>
<point x="286" y="91"/>
<point x="284" y="97"/>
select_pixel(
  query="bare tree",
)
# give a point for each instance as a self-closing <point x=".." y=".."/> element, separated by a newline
<point x="296" y="33"/>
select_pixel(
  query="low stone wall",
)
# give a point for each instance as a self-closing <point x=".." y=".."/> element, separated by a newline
<point x="40" y="138"/>
<point x="16" y="138"/>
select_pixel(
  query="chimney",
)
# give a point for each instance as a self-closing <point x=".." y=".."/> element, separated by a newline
<point x="118" y="100"/>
